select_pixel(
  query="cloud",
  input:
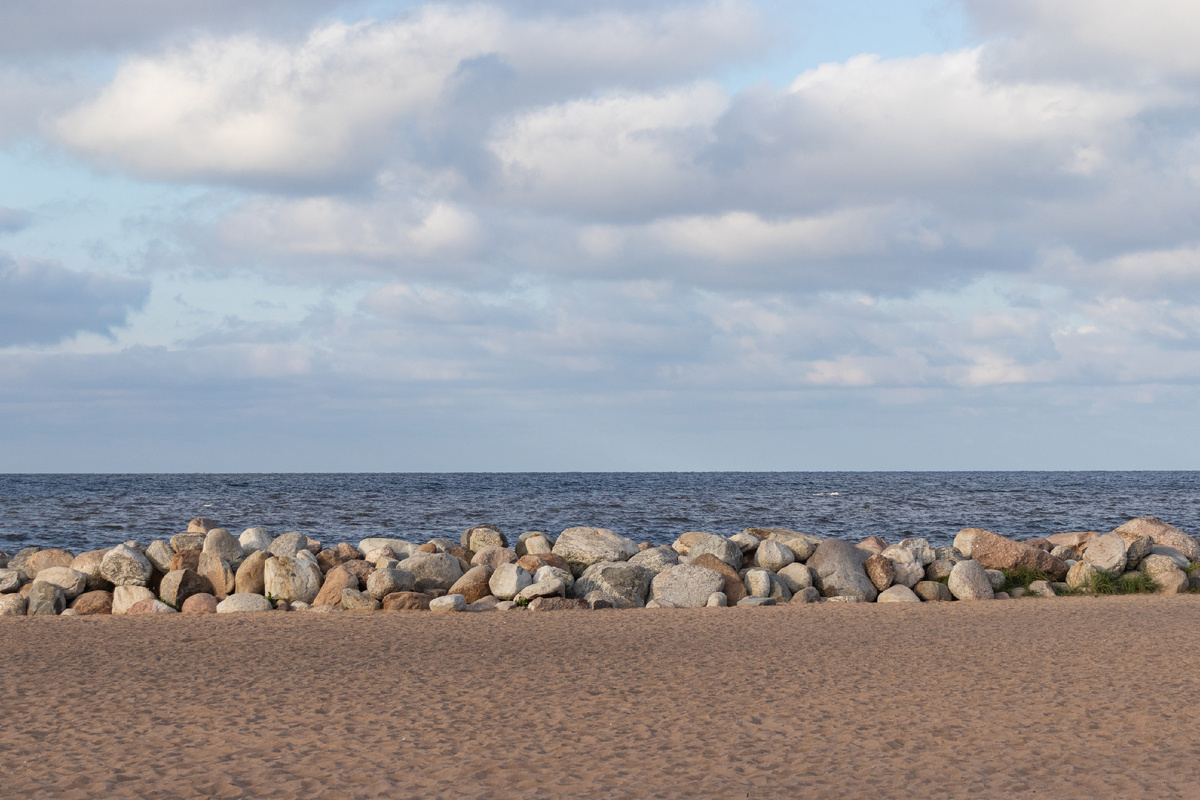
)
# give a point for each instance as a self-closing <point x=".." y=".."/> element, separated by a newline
<point x="13" y="219"/>
<point x="44" y="303"/>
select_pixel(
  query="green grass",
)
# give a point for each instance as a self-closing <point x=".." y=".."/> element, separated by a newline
<point x="1103" y="583"/>
<point x="1021" y="577"/>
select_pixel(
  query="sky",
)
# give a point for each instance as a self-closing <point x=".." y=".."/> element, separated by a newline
<point x="306" y="235"/>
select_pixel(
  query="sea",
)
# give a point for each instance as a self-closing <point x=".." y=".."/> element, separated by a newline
<point x="83" y="512"/>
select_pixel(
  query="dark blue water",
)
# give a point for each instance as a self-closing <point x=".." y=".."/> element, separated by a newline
<point x="81" y="512"/>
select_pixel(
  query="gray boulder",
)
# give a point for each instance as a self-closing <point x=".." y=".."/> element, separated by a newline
<point x="126" y="597"/>
<point x="192" y="540"/>
<point x="220" y="543"/>
<point x="773" y="556"/>
<point x="181" y="584"/>
<point x="254" y="540"/>
<point x="287" y="545"/>
<point x="626" y="585"/>
<point x="758" y="582"/>
<point x="450" y="603"/>
<point x="717" y="600"/>
<point x="382" y="582"/>
<point x="920" y="549"/>
<point x="88" y="562"/>
<point x="898" y="593"/>
<point x="718" y="547"/>
<point x="400" y="547"/>
<point x="1081" y="575"/>
<point x="582" y="547"/>
<point x="480" y="536"/>
<point x="433" y="571"/>
<point x="10" y="580"/>
<point x="159" y="553"/>
<point x="932" y="591"/>
<point x="1160" y="533"/>
<point x="909" y="571"/>
<point x="124" y="566"/>
<point x="686" y="586"/>
<point x="969" y="581"/>
<point x="534" y="543"/>
<point x="1106" y="554"/>
<point x="808" y="594"/>
<point x="12" y="605"/>
<point x="656" y="559"/>
<point x="547" y="572"/>
<point x="244" y="603"/>
<point x="508" y="580"/>
<point x="803" y="545"/>
<point x="72" y="582"/>
<point x="796" y="577"/>
<point x="839" y="571"/>
<point x="995" y="578"/>
<point x="758" y="601"/>
<point x="354" y="600"/>
<point x="551" y="587"/>
<point x="45" y="599"/>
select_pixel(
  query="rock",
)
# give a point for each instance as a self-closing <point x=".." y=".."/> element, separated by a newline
<point x="551" y="587"/>
<point x="907" y="566"/>
<point x="380" y="554"/>
<point x="407" y="601"/>
<point x="1064" y="553"/>
<point x="932" y="591"/>
<point x="795" y="576"/>
<point x="1001" y="596"/>
<point x="448" y="604"/>
<point x="969" y="581"/>
<point x="803" y="545"/>
<point x="193" y="540"/>
<point x="996" y="552"/>
<point x="1075" y="540"/>
<point x="1018" y="592"/>
<point x="92" y="603"/>
<point x="221" y="576"/>
<point x="125" y="597"/>
<point x="202" y="525"/>
<point x="773" y="556"/>
<point x="733" y="588"/>
<point x="382" y="582"/>
<point x="328" y="559"/>
<point x="124" y="566"/>
<point x="46" y="559"/>
<point x="485" y="603"/>
<point x="873" y="544"/>
<point x="150" y="606"/>
<point x="921" y="550"/>
<point x="337" y="580"/>
<point x="220" y="543"/>
<point x="625" y="584"/>
<point x="683" y="544"/>
<point x="1179" y="558"/>
<point x="481" y="536"/>
<point x="547" y="572"/>
<point x="1042" y="589"/>
<point x="291" y="578"/>
<point x="807" y="595"/>
<point x="10" y="580"/>
<point x="433" y="571"/>
<point x="508" y="580"/>
<point x="745" y="542"/>
<point x="402" y="548"/>
<point x="21" y="557"/>
<point x="898" y="594"/>
<point x="361" y="570"/>
<point x="473" y="585"/>
<point x="185" y="559"/>
<point x="718" y="546"/>
<point x="1155" y="565"/>
<point x="558" y="604"/>
<point x="3" y="559"/>
<point x="940" y="569"/>
<point x="178" y="586"/>
<point x="354" y="600"/>
<point x="716" y="600"/>
<point x="89" y="564"/>
<point x="1160" y="533"/>
<point x="1172" y="582"/>
<point x="348" y="552"/>
<point x="840" y="573"/>
<point x="995" y="578"/>
<point x="534" y="544"/>
<point x="202" y="603"/>
<point x="288" y="545"/>
<point x="758" y="582"/>
<point x="72" y="582"/>
<point x="881" y="570"/>
<point x="759" y="601"/>
<point x="531" y="563"/>
<point x="249" y="576"/>
<point x="582" y="547"/>
<point x="12" y="605"/>
<point x="686" y="585"/>
<point x="159" y="553"/>
<point x="244" y="604"/>
<point x="658" y="604"/>
<point x="598" y="601"/>
<point x="1136" y="549"/>
<point x="656" y="559"/>
<point x="1107" y="554"/>
<point x="1081" y="575"/>
<point x="494" y="556"/>
<point x="254" y="540"/>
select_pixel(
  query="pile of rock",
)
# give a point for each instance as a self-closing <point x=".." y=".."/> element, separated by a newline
<point x="207" y="570"/>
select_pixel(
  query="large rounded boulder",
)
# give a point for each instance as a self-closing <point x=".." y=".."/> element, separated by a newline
<point x="583" y="547"/>
<point x="686" y="586"/>
<point x="840" y="572"/>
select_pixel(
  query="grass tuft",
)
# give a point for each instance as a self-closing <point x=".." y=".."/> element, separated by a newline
<point x="1021" y="577"/>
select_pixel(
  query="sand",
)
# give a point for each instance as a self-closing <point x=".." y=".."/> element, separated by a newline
<point x="1075" y="697"/>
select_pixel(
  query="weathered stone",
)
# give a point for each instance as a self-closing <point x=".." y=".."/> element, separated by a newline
<point x="873" y="544"/>
<point x="1137" y="548"/>
<point x="532" y="562"/>
<point x="407" y="601"/>
<point x="559" y="604"/>
<point x="745" y="542"/>
<point x="1018" y="592"/>
<point x="758" y="582"/>
<point x="125" y="597"/>
<point x="1040" y="543"/>
<point x="1160" y="533"/>
<point x="759" y="601"/>
<point x="1042" y="589"/>
<point x="244" y="604"/>
<point x="551" y="587"/>
<point x="995" y="578"/>
<point x="839" y="571"/>
<point x="336" y="580"/>
<point x="733" y="587"/>
<point x="1179" y="558"/>
<point x="10" y="580"/>
<point x="1064" y="553"/>
<point x="796" y="577"/>
<point x="493" y="557"/>
<point x="717" y="600"/>
<point x="192" y="540"/>
<point x="485" y="603"/>
<point x="996" y="552"/>
<point x="124" y="566"/>
<point x="773" y="555"/>
<point x="627" y="584"/>
<point x="383" y="582"/>
<point x="186" y="559"/>
<point x="361" y="570"/>
<point x="181" y="584"/>
<point x="354" y="600"/>
<point x="92" y="603"/>
<point x="969" y="581"/>
<point x="686" y="585"/>
<point x="809" y="594"/>
<point x="159" y="553"/>
<point x="249" y="576"/>
<point x="292" y="578"/>
<point x="44" y="599"/>
<point x="582" y="547"/>
<point x="881" y="570"/>
<point x="150" y="606"/>
<point x="380" y="553"/>
<point x="508" y="580"/>
<point x="220" y="543"/>
<point x="907" y="567"/>
<point x="401" y="547"/>
<point x="221" y="575"/>
<point x="21" y="557"/>
<point x="1081" y="575"/>
<point x="1154" y="565"/>
<point x="717" y="546"/>
<point x="72" y="582"/>
<point x="253" y="540"/>
<point x="534" y="543"/>
<point x="433" y="571"/>
<point x="803" y="545"/>
<point x="46" y="559"/>
<point x="940" y="569"/>
<point x="898" y="594"/>
<point x="548" y="572"/>
<point x="288" y="545"/>
<point x="480" y="536"/>
<point x="1107" y="554"/>
<point x="656" y="559"/>
<point x="450" y="603"/>
<point x="1172" y="582"/>
<point x="932" y="591"/>
<point x="683" y="543"/>
<point x="202" y="603"/>
<point x="1076" y="540"/>
<point x="12" y="605"/>
<point x="202" y="525"/>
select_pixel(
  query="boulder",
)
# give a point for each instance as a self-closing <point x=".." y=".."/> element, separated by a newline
<point x="361" y="569"/>
<point x="718" y="546"/>
<point x="254" y="540"/>
<point x="480" y="536"/>
<point x="150" y="606"/>
<point x="995" y="578"/>
<point x="433" y="571"/>
<point x="808" y="594"/>
<point x="403" y="549"/>
<point x="803" y="545"/>
<point x="551" y="587"/>
<point x="873" y="544"/>
<point x="534" y="543"/>
<point x="354" y="600"/>
<point x="382" y="582"/>
<point x="1160" y="533"/>
<point x="1064" y="554"/>
<point x="178" y="586"/>
<point x="288" y="545"/>
<point x="12" y="605"/>
<point x="221" y="576"/>
<point x="683" y="544"/>
<point x="745" y="542"/>
<point x="921" y="550"/>
<point x="758" y="582"/>
<point x="1179" y="558"/>
<point x="773" y="555"/>
<point x="969" y="581"/>
<point x="1107" y="554"/>
<point x="759" y="601"/>
<point x="839" y="571"/>
<point x="72" y="582"/>
<point x="220" y="543"/>
<point x="531" y="562"/>
<point x="686" y="585"/>
<point x="795" y="576"/>
<point x="21" y="557"/>
<point x="733" y="588"/>
<point x="10" y="580"/>
<point x="186" y="559"/>
<point x="626" y="584"/>
<point x="898" y="594"/>
<point x="1136" y="549"/>
<point x="547" y="572"/>
<point x="244" y="603"/>
<point x="656" y="559"/>
<point x="940" y="569"/>
<point x="45" y="559"/>
<point x="559" y="604"/>
<point x="124" y="566"/>
<point x="1076" y="540"/>
<point x="450" y="603"/>
<point x="45" y="599"/>
<point x="1172" y="582"/>
<point x="1154" y="565"/>
<point x="717" y="600"/>
<point x="202" y="603"/>
<point x="336" y="581"/>
<point x="125" y="597"/>
<point x="508" y="580"/>
<point x="932" y="591"/>
<point x="485" y="603"/>
<point x="89" y="564"/>
<point x="906" y="564"/>
<point x="473" y="585"/>
<point x="249" y="576"/>
<point x="1042" y="589"/>
<point x="996" y="552"/>
<point x="291" y="578"/>
<point x="881" y="570"/>
<point x="192" y="540"/>
<point x="582" y="547"/>
<point x="407" y="601"/>
<point x="159" y="553"/>
<point x="202" y="525"/>
<point x="493" y="557"/>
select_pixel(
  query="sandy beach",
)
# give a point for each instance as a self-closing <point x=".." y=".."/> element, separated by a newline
<point x="1074" y="697"/>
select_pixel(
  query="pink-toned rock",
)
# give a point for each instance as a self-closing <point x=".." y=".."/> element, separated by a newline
<point x="45" y="559"/>
<point x="532" y="562"/>
<point x="336" y="580"/>
<point x="360" y="569"/>
<point x="873" y="544"/>
<point x="202" y="603"/>
<point x="1160" y="533"/>
<point x="219" y="574"/>
<point x="95" y="602"/>
<point x="684" y="543"/>
<point x="201" y="525"/>
<point x="150" y="606"/>
<point x="996" y="552"/>
<point x="1040" y="544"/>
<point x="493" y="557"/>
<point x="1076" y="540"/>
<point x="734" y="588"/>
<point x="249" y="576"/>
<point x="407" y="601"/>
<point x="474" y="583"/>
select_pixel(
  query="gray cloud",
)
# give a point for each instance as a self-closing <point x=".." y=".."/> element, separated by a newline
<point x="13" y="219"/>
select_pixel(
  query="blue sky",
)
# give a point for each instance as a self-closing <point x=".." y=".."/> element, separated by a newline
<point x="308" y="235"/>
